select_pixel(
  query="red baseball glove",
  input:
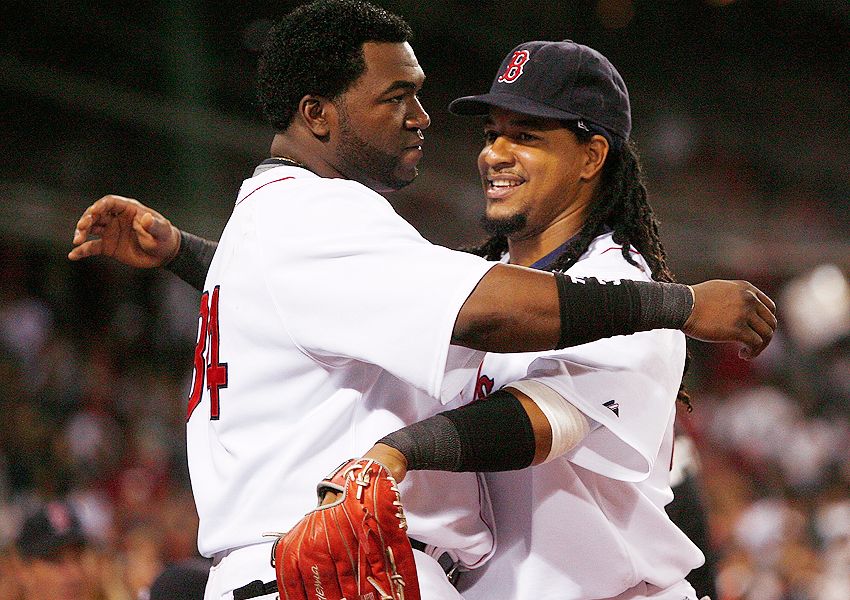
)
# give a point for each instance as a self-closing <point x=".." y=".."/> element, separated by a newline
<point x="355" y="548"/>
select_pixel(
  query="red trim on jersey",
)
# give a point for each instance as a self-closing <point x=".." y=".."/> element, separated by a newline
<point x="619" y="248"/>
<point x="262" y="186"/>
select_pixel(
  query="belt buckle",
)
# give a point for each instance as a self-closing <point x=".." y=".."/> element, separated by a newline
<point x="450" y="566"/>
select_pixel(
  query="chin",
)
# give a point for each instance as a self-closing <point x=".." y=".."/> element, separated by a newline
<point x="401" y="180"/>
<point x="503" y="224"/>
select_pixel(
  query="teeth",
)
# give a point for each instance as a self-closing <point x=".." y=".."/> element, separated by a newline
<point x="504" y="183"/>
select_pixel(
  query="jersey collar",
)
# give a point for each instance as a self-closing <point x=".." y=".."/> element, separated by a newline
<point x="547" y="261"/>
<point x="271" y="163"/>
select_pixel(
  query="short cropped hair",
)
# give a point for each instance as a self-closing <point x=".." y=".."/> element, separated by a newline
<point x="317" y="49"/>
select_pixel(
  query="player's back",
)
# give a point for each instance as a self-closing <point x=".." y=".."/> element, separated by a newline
<point x="313" y="344"/>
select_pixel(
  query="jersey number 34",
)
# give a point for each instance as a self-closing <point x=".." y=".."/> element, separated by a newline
<point x="207" y="365"/>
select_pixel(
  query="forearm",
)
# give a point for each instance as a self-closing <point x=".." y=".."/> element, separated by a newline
<point x="504" y="432"/>
<point x="520" y="310"/>
<point x="193" y="259"/>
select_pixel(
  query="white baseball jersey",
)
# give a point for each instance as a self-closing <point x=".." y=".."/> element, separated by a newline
<point x="325" y="324"/>
<point x="592" y="524"/>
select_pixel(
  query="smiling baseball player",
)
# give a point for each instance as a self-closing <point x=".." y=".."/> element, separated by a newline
<point x="563" y="191"/>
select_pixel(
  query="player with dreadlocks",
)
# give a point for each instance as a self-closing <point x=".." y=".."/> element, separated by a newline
<point x="620" y="206"/>
<point x="565" y="192"/>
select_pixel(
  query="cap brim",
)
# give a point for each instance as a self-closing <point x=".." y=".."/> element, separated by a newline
<point x="470" y="106"/>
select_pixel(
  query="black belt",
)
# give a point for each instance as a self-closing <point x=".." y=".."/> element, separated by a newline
<point x="446" y="562"/>
<point x="257" y="588"/>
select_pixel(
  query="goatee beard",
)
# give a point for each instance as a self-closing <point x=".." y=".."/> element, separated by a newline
<point x="504" y="226"/>
<point x="378" y="166"/>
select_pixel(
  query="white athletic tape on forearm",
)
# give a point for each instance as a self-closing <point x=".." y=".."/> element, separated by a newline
<point x="569" y="425"/>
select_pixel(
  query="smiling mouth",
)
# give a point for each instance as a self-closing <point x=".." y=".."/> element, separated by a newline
<point x="502" y="183"/>
<point x="500" y="187"/>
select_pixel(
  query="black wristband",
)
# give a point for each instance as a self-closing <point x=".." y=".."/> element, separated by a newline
<point x="493" y="434"/>
<point x="193" y="259"/>
<point x="591" y="310"/>
<point x="664" y="305"/>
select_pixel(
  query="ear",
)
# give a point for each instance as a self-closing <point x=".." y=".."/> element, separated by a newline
<point x="318" y="114"/>
<point x="595" y="151"/>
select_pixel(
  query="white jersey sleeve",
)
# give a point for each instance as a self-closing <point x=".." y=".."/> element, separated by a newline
<point x="363" y="283"/>
<point x="622" y="383"/>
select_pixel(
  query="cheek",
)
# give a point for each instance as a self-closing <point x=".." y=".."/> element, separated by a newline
<point x="482" y="166"/>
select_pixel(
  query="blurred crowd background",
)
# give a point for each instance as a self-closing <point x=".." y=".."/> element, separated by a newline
<point x="741" y="111"/>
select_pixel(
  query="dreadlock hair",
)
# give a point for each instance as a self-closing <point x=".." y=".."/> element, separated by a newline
<point x="620" y="205"/>
<point x="318" y="49"/>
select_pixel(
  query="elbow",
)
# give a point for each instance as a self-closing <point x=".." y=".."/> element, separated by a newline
<point x="479" y="331"/>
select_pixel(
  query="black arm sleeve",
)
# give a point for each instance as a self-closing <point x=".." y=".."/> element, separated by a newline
<point x="493" y="434"/>
<point x="592" y="310"/>
<point x="193" y="259"/>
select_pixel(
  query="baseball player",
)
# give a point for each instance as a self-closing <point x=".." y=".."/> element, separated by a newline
<point x="349" y="325"/>
<point x="564" y="191"/>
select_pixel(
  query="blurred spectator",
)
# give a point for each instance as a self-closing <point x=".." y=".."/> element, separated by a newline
<point x="186" y="580"/>
<point x="49" y="558"/>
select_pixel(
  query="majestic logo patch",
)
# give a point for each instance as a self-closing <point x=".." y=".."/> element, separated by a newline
<point x="514" y="70"/>
<point x="612" y="404"/>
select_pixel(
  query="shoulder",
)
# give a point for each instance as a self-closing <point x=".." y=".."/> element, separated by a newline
<point x="299" y="199"/>
<point x="287" y="180"/>
<point x="604" y="260"/>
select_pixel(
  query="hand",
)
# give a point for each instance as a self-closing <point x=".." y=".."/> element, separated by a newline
<point x="356" y="547"/>
<point x="393" y="460"/>
<point x="732" y="311"/>
<point x="128" y="231"/>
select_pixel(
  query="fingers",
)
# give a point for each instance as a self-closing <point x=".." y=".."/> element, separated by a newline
<point x="763" y="329"/>
<point x="329" y="498"/>
<point x="753" y="344"/>
<point x="157" y="236"/>
<point x="82" y="228"/>
<point x="761" y="323"/>
<point x="763" y="298"/>
<point x="101" y="213"/>
<point x="89" y="248"/>
<point x="158" y="228"/>
<point x="767" y="315"/>
<point x="756" y="337"/>
<point x="92" y="217"/>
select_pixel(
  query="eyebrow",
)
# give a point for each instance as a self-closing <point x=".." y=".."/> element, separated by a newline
<point x="400" y="85"/>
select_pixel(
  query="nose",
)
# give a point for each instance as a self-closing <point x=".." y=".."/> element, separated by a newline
<point x="418" y="118"/>
<point x="497" y="153"/>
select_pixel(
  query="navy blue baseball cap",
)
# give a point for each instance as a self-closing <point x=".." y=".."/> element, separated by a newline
<point x="45" y="533"/>
<point x="558" y="80"/>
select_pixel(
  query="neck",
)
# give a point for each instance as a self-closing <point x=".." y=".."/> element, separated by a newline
<point x="525" y="250"/>
<point x="292" y="147"/>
